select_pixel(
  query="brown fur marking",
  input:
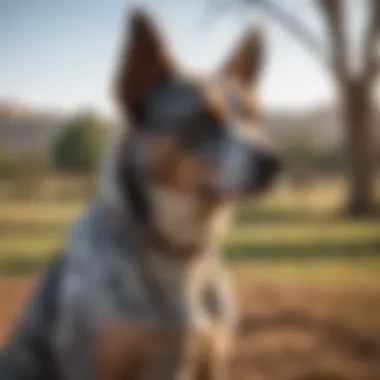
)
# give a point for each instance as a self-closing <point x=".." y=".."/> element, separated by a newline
<point x="125" y="352"/>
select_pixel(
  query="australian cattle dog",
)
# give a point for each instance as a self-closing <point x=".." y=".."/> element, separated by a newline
<point x="139" y="291"/>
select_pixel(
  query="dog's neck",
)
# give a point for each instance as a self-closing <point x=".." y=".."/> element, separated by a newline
<point x="177" y="223"/>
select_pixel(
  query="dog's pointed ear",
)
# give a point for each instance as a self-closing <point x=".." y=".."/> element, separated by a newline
<point x="144" y="63"/>
<point x="245" y="63"/>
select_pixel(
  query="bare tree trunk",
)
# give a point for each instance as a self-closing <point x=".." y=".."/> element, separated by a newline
<point x="357" y="118"/>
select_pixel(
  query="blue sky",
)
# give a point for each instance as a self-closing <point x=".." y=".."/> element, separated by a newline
<point x="61" y="53"/>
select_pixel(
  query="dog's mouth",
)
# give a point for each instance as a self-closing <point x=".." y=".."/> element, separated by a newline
<point x="257" y="187"/>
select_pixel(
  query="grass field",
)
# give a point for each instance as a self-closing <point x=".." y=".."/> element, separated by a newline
<point x="284" y="225"/>
<point x="308" y="281"/>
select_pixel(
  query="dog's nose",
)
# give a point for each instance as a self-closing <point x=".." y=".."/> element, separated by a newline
<point x="269" y="163"/>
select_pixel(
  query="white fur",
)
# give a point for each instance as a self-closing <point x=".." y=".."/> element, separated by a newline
<point x="177" y="216"/>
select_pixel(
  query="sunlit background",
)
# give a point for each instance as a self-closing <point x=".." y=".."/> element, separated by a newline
<point x="306" y="258"/>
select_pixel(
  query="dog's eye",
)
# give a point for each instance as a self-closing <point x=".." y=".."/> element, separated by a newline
<point x="202" y="128"/>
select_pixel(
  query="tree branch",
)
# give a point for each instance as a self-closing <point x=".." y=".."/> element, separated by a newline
<point x="287" y="20"/>
<point x="217" y="8"/>
<point x="333" y="12"/>
<point x="293" y="25"/>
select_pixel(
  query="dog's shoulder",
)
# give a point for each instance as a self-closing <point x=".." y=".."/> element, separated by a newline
<point x="96" y="244"/>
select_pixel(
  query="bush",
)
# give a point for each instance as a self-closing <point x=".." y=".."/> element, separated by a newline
<point x="77" y="149"/>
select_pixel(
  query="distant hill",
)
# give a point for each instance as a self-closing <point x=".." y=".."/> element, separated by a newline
<point x="25" y="128"/>
<point x="22" y="127"/>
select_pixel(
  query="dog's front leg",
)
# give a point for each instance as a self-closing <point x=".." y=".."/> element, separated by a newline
<point x="123" y="352"/>
<point x="214" y="355"/>
<point x="216" y="346"/>
<point x="175" y="357"/>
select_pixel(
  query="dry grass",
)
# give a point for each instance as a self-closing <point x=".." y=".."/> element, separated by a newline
<point x="309" y="334"/>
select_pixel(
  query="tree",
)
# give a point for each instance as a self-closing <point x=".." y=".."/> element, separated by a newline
<point x="356" y="90"/>
<point x="78" y="147"/>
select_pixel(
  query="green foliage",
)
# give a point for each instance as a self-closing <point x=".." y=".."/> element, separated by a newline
<point x="77" y="149"/>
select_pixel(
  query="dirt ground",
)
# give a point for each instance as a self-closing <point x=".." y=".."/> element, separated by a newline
<point x="287" y="333"/>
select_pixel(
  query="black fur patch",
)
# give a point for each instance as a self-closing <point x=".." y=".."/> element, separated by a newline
<point x="134" y="192"/>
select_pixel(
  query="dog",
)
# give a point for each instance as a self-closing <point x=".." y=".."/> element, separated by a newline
<point x="139" y="291"/>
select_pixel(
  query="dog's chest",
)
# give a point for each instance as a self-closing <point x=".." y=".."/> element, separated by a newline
<point x="109" y="290"/>
<point x="160" y="290"/>
<point x="179" y="318"/>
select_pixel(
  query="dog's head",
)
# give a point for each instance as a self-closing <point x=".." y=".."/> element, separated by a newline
<point x="195" y="136"/>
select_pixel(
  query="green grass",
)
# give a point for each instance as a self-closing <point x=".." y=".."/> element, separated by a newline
<point x="34" y="230"/>
<point x="356" y="272"/>
<point x="31" y="213"/>
<point x="301" y="232"/>
<point x="284" y="226"/>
